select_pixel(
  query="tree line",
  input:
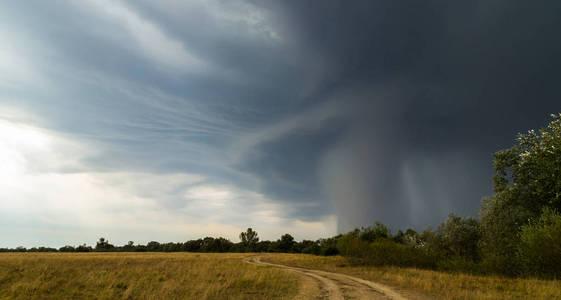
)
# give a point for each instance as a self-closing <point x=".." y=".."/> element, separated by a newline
<point x="518" y="232"/>
<point x="285" y="244"/>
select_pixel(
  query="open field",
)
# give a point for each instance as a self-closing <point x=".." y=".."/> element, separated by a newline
<point x="141" y="276"/>
<point x="431" y="284"/>
<point x="228" y="276"/>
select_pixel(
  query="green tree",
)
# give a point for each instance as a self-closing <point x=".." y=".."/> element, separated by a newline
<point x="527" y="178"/>
<point x="370" y="234"/>
<point x="67" y="249"/>
<point x="286" y="243"/>
<point x="153" y="246"/>
<point x="129" y="246"/>
<point x="530" y="172"/>
<point x="83" y="248"/>
<point x="460" y="237"/>
<point x="103" y="245"/>
<point x="249" y="239"/>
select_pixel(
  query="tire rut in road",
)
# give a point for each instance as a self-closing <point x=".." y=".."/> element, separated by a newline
<point x="339" y="286"/>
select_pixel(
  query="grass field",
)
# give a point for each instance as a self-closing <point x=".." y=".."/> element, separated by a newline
<point x="438" y="285"/>
<point x="226" y="276"/>
<point x="140" y="276"/>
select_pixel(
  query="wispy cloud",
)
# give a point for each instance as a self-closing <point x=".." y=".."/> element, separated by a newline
<point x="155" y="44"/>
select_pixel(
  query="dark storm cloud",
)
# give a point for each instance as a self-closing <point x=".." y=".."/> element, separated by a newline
<point x="371" y="110"/>
<point x="437" y="88"/>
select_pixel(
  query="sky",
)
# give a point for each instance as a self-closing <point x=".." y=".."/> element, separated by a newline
<point x="174" y="120"/>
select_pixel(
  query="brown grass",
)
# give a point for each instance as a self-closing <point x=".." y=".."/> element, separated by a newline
<point x="226" y="276"/>
<point x="439" y="285"/>
<point x="140" y="276"/>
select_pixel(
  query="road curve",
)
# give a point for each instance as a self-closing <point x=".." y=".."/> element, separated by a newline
<point x="337" y="286"/>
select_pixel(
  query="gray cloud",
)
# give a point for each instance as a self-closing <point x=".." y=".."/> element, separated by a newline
<point x="370" y="111"/>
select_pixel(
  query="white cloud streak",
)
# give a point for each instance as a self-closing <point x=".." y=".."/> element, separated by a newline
<point x="153" y="41"/>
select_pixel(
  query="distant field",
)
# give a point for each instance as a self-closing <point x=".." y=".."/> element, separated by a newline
<point x="438" y="285"/>
<point x="140" y="276"/>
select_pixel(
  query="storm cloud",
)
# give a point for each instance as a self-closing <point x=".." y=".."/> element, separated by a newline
<point x="176" y="119"/>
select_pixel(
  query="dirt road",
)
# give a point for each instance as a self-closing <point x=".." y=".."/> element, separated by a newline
<point x="336" y="286"/>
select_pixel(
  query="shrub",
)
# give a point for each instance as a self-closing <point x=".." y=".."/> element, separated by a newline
<point x="460" y="237"/>
<point x="384" y="251"/>
<point x="329" y="251"/>
<point x="540" y="245"/>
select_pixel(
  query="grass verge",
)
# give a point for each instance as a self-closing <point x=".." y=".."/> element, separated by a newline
<point x="439" y="285"/>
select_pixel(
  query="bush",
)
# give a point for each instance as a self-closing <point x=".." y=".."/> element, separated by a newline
<point x="67" y="249"/>
<point x="460" y="237"/>
<point x="384" y="251"/>
<point x="329" y="251"/>
<point x="370" y="234"/>
<point x="540" y="245"/>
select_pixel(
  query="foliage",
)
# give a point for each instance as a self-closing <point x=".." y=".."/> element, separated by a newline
<point x="376" y="246"/>
<point x="540" y="245"/>
<point x="103" y="245"/>
<point x="527" y="179"/>
<point x="370" y="234"/>
<point x="249" y="239"/>
<point x="500" y="227"/>
<point x="67" y="249"/>
<point x="153" y="246"/>
<point x="286" y="243"/>
<point x="460" y="237"/>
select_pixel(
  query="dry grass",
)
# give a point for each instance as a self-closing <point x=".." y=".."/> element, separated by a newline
<point x="226" y="276"/>
<point x="140" y="276"/>
<point x="439" y="285"/>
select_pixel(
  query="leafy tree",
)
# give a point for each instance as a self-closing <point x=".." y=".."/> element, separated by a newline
<point x="140" y="248"/>
<point x="500" y="228"/>
<point x="192" y="245"/>
<point x="171" y="247"/>
<point x="129" y="246"/>
<point x="307" y="246"/>
<point x="286" y="243"/>
<point x="103" y="245"/>
<point x="66" y="249"/>
<point x="263" y="246"/>
<point x="83" y="248"/>
<point x="153" y="246"/>
<point x="328" y="246"/>
<point x="412" y="238"/>
<point x="460" y="237"/>
<point x="249" y="239"/>
<point x="399" y="237"/>
<point x="529" y="174"/>
<point x="527" y="178"/>
<point x="370" y="234"/>
<point x="210" y="244"/>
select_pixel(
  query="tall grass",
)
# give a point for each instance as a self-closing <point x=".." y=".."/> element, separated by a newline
<point x="437" y="285"/>
<point x="140" y="276"/>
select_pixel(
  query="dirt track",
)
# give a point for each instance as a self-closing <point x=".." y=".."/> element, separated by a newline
<point x="338" y="286"/>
